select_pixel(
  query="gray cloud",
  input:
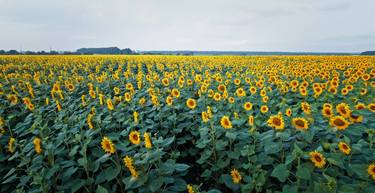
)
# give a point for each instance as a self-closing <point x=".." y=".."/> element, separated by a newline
<point x="289" y="25"/>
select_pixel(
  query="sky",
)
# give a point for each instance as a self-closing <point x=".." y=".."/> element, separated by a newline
<point x="221" y="25"/>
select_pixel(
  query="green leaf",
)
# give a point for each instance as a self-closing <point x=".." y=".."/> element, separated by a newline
<point x="167" y="142"/>
<point x="280" y="172"/>
<point x="111" y="173"/>
<point x="290" y="189"/>
<point x="273" y="147"/>
<point x="11" y="171"/>
<point x="214" y="191"/>
<point x="303" y="173"/>
<point x="101" y="189"/>
<point x="181" y="167"/>
<point x="231" y="135"/>
<point x="156" y="184"/>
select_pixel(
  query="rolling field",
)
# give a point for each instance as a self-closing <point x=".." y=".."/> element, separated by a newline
<point x="187" y="124"/>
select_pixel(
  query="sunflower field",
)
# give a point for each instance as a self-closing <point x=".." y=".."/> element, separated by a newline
<point x="187" y="124"/>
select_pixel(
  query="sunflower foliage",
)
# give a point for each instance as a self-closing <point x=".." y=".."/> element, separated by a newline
<point x="187" y="124"/>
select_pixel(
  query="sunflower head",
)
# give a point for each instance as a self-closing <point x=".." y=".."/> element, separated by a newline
<point x="191" y="103"/>
<point x="108" y="146"/>
<point x="236" y="176"/>
<point x="327" y="111"/>
<point x="169" y="100"/>
<point x="175" y="93"/>
<point x="317" y="159"/>
<point x="225" y="122"/>
<point x="343" y="109"/>
<point x="134" y="137"/>
<point x="240" y="92"/>
<point x="148" y="143"/>
<point x="251" y="120"/>
<point x="300" y="123"/>
<point x="288" y="112"/>
<point x="344" y="148"/>
<point x="371" y="170"/>
<point x="276" y="122"/>
<point x="231" y="100"/>
<point x="339" y="122"/>
<point x="248" y="106"/>
<point x="264" y="109"/>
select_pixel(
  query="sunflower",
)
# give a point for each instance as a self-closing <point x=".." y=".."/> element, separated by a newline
<point x="169" y="100"/>
<point x="306" y="108"/>
<point x="134" y="137"/>
<point x="129" y="163"/>
<point x="371" y="170"/>
<point x="101" y="99"/>
<point x="37" y="145"/>
<point x="70" y="87"/>
<point x="11" y="144"/>
<point x="89" y="121"/>
<point x="248" y="106"/>
<point x="116" y="90"/>
<point x="30" y="107"/>
<point x="344" y="148"/>
<point x="344" y="91"/>
<point x="191" y="103"/>
<point x="303" y="91"/>
<point x="276" y="122"/>
<point x="205" y="117"/>
<point x="318" y="159"/>
<point x="236" y="176"/>
<point x="371" y="107"/>
<point x="288" y="112"/>
<point x="209" y="112"/>
<point x="265" y="99"/>
<point x="165" y="81"/>
<point x="237" y="81"/>
<point x="294" y="83"/>
<point x="360" y="106"/>
<point x="264" y="109"/>
<point x="343" y="109"/>
<point x="190" y="188"/>
<point x="148" y="143"/>
<point x="13" y="99"/>
<point x="136" y="117"/>
<point x="300" y="123"/>
<point x="217" y="96"/>
<point x="231" y="100"/>
<point x="110" y="104"/>
<point x="251" y="120"/>
<point x="327" y="112"/>
<point x="240" y="92"/>
<point x="356" y="118"/>
<point x="108" y="146"/>
<point x="92" y="94"/>
<point x="225" y="122"/>
<point x="26" y="101"/>
<point x="142" y="101"/>
<point x="363" y="91"/>
<point x="263" y="92"/>
<point x="327" y="105"/>
<point x="175" y="93"/>
<point x="253" y="90"/>
<point x="221" y="88"/>
<point x="339" y="122"/>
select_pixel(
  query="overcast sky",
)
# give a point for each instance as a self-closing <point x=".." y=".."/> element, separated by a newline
<point x="248" y="25"/>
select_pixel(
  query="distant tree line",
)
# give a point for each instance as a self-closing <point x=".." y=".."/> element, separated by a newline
<point x="81" y="51"/>
<point x="368" y="53"/>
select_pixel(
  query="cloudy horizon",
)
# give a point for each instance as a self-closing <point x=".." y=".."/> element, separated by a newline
<point x="220" y="25"/>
